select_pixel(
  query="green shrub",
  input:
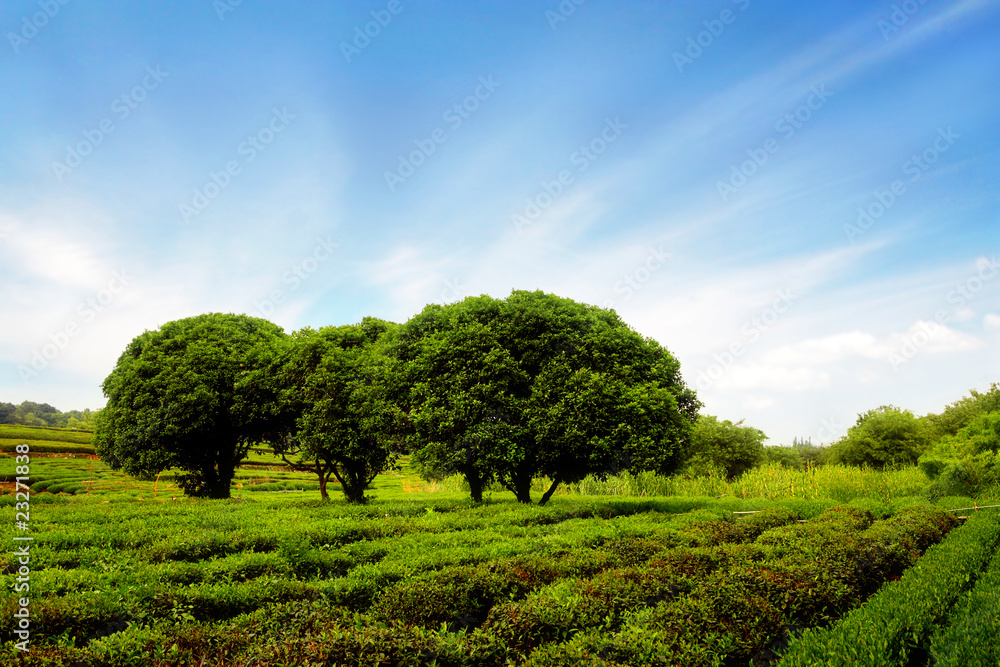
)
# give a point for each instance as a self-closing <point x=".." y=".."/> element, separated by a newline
<point x="631" y="550"/>
<point x="967" y="462"/>
<point x="557" y="612"/>
<point x="738" y="530"/>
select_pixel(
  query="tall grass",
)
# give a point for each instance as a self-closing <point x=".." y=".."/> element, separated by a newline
<point x="770" y="481"/>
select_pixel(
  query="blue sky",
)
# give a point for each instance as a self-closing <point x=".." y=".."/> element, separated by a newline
<point x="799" y="200"/>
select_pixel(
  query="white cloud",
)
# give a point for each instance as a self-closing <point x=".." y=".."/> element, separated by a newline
<point x="52" y="257"/>
<point x="753" y="376"/>
<point x="928" y="336"/>
<point x="829" y="349"/>
<point x="964" y="315"/>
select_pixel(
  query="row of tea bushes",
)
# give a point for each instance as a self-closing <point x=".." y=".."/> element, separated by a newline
<point x="742" y="606"/>
<point x="281" y="580"/>
<point x="892" y="628"/>
<point x="972" y="636"/>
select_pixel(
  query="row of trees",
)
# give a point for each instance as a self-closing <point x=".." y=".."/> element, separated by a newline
<point x="893" y="437"/>
<point x="498" y="391"/>
<point x="958" y="448"/>
<point x="29" y="413"/>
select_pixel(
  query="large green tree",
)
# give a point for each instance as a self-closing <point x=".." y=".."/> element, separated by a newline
<point x="507" y="390"/>
<point x="886" y="437"/>
<point x="174" y="401"/>
<point x="328" y="403"/>
<point x="722" y="445"/>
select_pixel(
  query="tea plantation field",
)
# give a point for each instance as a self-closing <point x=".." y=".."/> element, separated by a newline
<point x="125" y="572"/>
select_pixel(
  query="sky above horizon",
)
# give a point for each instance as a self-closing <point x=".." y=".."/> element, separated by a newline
<point x="799" y="200"/>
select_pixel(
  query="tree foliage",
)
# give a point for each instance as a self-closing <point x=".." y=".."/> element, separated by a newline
<point x="800" y="456"/>
<point x="330" y="390"/>
<point x="963" y="412"/>
<point x="967" y="462"/>
<point x="507" y="390"/>
<point x="883" y="438"/>
<point x="724" y="446"/>
<point x="174" y="401"/>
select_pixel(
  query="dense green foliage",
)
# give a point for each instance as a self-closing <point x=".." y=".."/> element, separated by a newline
<point x="962" y="412"/>
<point x="173" y="401"/>
<point x="971" y="637"/>
<point x="968" y="461"/>
<point x="885" y="437"/>
<point x="724" y="446"/>
<point x="891" y="629"/>
<point x="535" y="385"/>
<point x="332" y="389"/>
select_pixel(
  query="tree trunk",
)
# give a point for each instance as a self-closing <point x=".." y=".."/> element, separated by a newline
<point x="475" y="485"/>
<point x="322" y="486"/>
<point x="354" y="487"/>
<point x="522" y="489"/>
<point x="222" y="473"/>
<point x="222" y="489"/>
<point x="548" y="494"/>
<point x="212" y="485"/>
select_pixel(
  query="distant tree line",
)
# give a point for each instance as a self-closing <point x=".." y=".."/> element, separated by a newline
<point x="958" y="449"/>
<point x="29" y="413"/>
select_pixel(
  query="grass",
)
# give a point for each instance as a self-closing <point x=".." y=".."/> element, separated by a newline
<point x="770" y="481"/>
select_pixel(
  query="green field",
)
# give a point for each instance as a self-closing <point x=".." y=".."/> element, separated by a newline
<point x="55" y="440"/>
<point x="129" y="572"/>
